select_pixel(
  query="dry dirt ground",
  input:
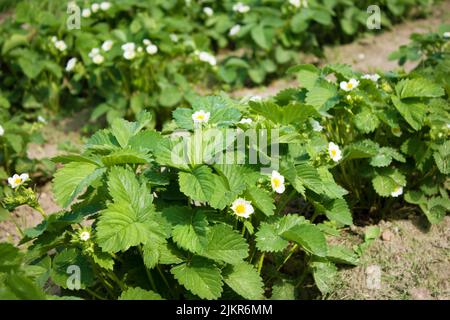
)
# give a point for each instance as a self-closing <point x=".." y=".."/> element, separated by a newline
<point x="414" y="260"/>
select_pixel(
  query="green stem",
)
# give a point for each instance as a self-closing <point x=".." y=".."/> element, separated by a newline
<point x="41" y="211"/>
<point x="114" y="278"/>
<point x="94" y="294"/>
<point x="147" y="271"/>
<point x="304" y="273"/>
<point x="291" y="252"/>
<point x="260" y="263"/>
<point x="19" y="229"/>
<point x="164" y="279"/>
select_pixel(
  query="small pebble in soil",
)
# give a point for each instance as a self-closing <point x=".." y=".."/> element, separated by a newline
<point x="420" y="294"/>
<point x="387" y="235"/>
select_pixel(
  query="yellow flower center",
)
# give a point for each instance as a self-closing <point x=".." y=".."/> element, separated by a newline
<point x="17" y="180"/>
<point x="333" y="153"/>
<point x="349" y="85"/>
<point x="200" y="117"/>
<point x="240" y="208"/>
<point x="276" y="182"/>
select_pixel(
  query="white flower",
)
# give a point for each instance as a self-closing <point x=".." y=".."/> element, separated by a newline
<point x="17" y="180"/>
<point x="397" y="192"/>
<point x="299" y="3"/>
<point x="242" y="208"/>
<point x="2" y="131"/>
<point x="85" y="236"/>
<point x="107" y="45"/>
<point x="173" y="37"/>
<point x="54" y="39"/>
<point x="241" y="8"/>
<point x="98" y="59"/>
<point x="234" y="30"/>
<point x="139" y="49"/>
<point x="201" y="116"/>
<point x="374" y="77"/>
<point x="94" y="52"/>
<point x="350" y="85"/>
<point x="246" y="121"/>
<point x="105" y="5"/>
<point x="446" y="34"/>
<point x="277" y="181"/>
<point x="151" y="49"/>
<point x="334" y="152"/>
<point x="129" y="55"/>
<point x="41" y="119"/>
<point x="208" y="11"/>
<point x="71" y="64"/>
<point x="207" y="57"/>
<point x="315" y="125"/>
<point x="129" y="52"/>
<point x="86" y="13"/>
<point x="255" y="98"/>
<point x="95" y="7"/>
<point x="129" y="46"/>
<point x="60" y="45"/>
<point x="146" y="42"/>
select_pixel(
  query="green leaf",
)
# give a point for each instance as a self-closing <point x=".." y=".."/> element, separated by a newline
<point x="387" y="182"/>
<point x="170" y="96"/>
<point x="151" y="255"/>
<point x="340" y="254"/>
<point x="21" y="288"/>
<point x="139" y="294"/>
<point x="366" y="121"/>
<point x="199" y="184"/>
<point x="268" y="237"/>
<point x="338" y="211"/>
<point x="245" y="280"/>
<point x="14" y="41"/>
<point x="361" y="150"/>
<point x="123" y="130"/>
<point x="261" y="199"/>
<point x="124" y="187"/>
<point x="125" y="156"/>
<point x="189" y="228"/>
<point x="131" y="219"/>
<point x="320" y="97"/>
<point x="309" y="237"/>
<point x="283" y="290"/>
<point x="225" y="244"/>
<point x="324" y="274"/>
<point x="62" y="272"/>
<point x="72" y="179"/>
<point x="11" y="257"/>
<point x="385" y="156"/>
<point x="121" y="226"/>
<point x="418" y="88"/>
<point x="413" y="113"/>
<point x="260" y="36"/>
<point x="200" y="277"/>
<point x="435" y="209"/>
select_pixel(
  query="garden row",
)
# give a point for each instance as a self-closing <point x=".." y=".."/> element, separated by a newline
<point x="168" y="219"/>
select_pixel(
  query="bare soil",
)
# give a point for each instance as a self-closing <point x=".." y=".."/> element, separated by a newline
<point x="414" y="259"/>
